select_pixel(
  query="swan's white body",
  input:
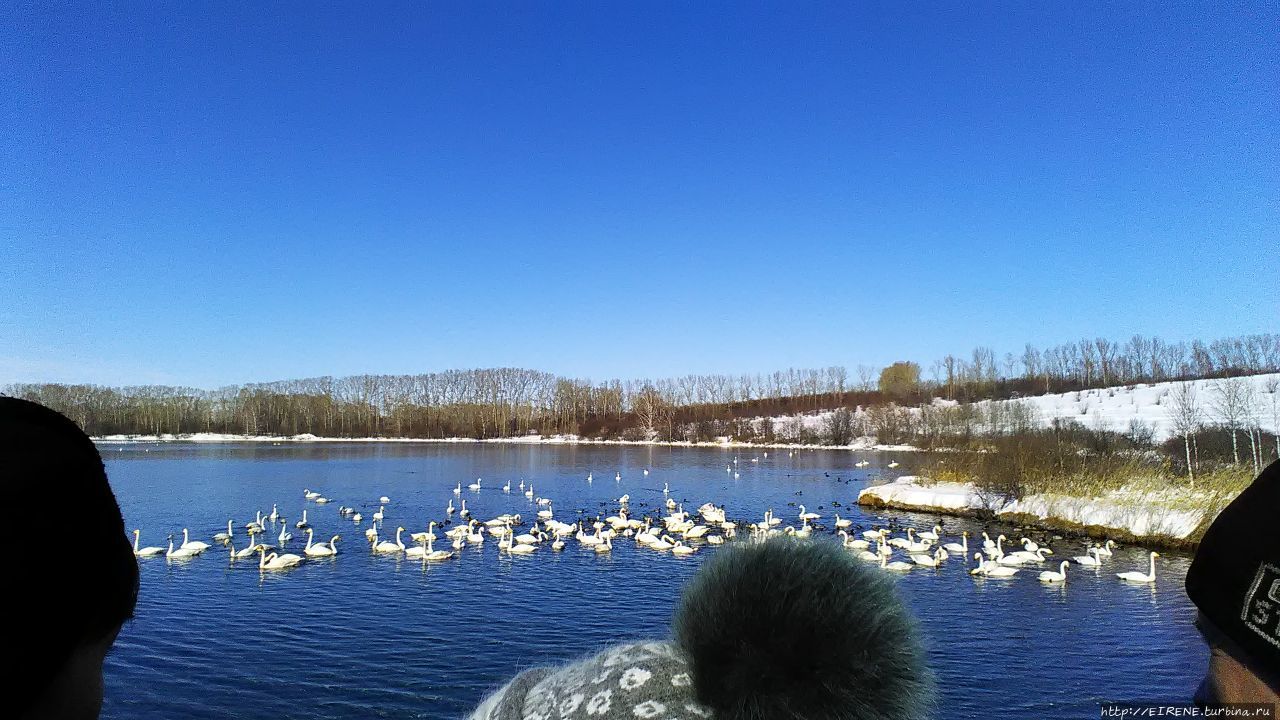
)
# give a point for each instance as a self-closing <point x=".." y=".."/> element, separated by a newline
<point x="931" y="535"/>
<point x="189" y="544"/>
<point x="679" y="548"/>
<point x="475" y="485"/>
<point x="961" y="547"/>
<point x="423" y="536"/>
<point x="388" y="547"/>
<point x="1050" y="576"/>
<point x="303" y="522"/>
<point x="928" y="560"/>
<point x="223" y="537"/>
<point x="896" y="565"/>
<point x="992" y="569"/>
<point x="1105" y="550"/>
<point x="275" y="561"/>
<point x="320" y="550"/>
<point x="182" y="552"/>
<point x="246" y="552"/>
<point x="1138" y="577"/>
<point x="1091" y="560"/>
<point x="146" y="551"/>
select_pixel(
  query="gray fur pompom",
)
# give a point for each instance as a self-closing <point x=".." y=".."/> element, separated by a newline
<point x="787" y="629"/>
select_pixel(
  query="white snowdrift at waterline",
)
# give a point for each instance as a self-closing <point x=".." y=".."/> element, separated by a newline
<point x="1147" y="516"/>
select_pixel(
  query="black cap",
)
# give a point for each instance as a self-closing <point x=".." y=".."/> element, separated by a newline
<point x="1235" y="577"/>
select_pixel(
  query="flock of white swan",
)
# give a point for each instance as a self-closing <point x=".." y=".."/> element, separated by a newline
<point x="678" y="532"/>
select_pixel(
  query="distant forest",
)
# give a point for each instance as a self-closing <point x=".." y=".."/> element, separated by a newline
<point x="504" y="402"/>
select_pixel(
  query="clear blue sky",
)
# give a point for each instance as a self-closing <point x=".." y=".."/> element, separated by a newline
<point x="212" y="193"/>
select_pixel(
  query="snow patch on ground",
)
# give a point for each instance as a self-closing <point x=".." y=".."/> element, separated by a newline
<point x="1143" y="517"/>
<point x="1115" y="407"/>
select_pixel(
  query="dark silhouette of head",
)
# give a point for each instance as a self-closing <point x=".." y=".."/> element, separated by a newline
<point x="72" y="577"/>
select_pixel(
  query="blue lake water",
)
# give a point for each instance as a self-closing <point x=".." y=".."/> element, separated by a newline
<point x="364" y="636"/>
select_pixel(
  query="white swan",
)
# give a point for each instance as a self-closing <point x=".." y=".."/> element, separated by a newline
<point x="896" y="565"/>
<point x="284" y="536"/>
<point x="386" y="546"/>
<point x="1134" y="576"/>
<point x="961" y="547"/>
<point x="931" y="535"/>
<point x="458" y="490"/>
<point x="303" y="522"/>
<point x="529" y="493"/>
<point x="182" y="552"/>
<point x="1105" y="550"/>
<point x="422" y="536"/>
<point x="275" y="561"/>
<point x="605" y="546"/>
<point x="246" y="552"/>
<point x="808" y="515"/>
<point x="992" y="569"/>
<point x="384" y="499"/>
<point x="1050" y="576"/>
<point x="189" y="544"/>
<point x="434" y="555"/>
<point x="928" y="560"/>
<point x="1091" y="559"/>
<point x="519" y="548"/>
<point x="151" y="551"/>
<point x="680" y="548"/>
<point x="321" y="550"/>
<point x="1022" y="556"/>
<point x="1029" y="545"/>
<point x="507" y="488"/>
<point x="378" y="516"/>
<point x="995" y="549"/>
<point x="223" y="537"/>
<point x="893" y="464"/>
<point x="475" y="485"/>
<point x="321" y="501"/>
<point x="310" y="494"/>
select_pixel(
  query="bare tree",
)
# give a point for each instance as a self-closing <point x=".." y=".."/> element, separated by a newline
<point x="1184" y="413"/>
<point x="1272" y="387"/>
<point x="1231" y="405"/>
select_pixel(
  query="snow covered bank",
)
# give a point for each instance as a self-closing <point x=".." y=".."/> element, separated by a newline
<point x="1115" y="407"/>
<point x="1149" y="515"/>
<point x="863" y="443"/>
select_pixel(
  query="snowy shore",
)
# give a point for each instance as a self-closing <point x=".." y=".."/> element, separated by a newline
<point x="867" y="444"/>
<point x="1154" y="517"/>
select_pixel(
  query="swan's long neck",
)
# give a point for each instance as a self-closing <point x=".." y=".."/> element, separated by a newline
<point x="333" y="543"/>
<point x="1153" y="566"/>
<point x="309" y="534"/>
<point x="229" y="533"/>
<point x="136" y="534"/>
<point x="185" y="539"/>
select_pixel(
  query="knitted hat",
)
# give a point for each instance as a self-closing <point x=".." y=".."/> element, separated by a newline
<point x="783" y="628"/>
<point x="1235" y="577"/>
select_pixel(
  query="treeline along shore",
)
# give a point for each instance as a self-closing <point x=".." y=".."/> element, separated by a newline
<point x="1182" y="425"/>
<point x="505" y="402"/>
